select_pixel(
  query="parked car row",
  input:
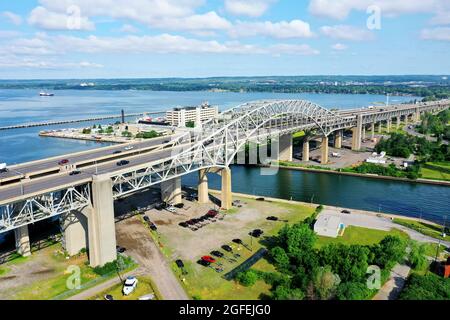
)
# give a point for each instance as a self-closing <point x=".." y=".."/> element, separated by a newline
<point x="217" y="257"/>
<point x="196" y="223"/>
<point x="150" y="224"/>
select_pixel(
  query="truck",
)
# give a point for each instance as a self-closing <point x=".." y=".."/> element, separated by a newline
<point x="3" y="167"/>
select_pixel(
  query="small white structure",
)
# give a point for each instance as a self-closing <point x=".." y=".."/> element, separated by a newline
<point x="375" y="158"/>
<point x="328" y="225"/>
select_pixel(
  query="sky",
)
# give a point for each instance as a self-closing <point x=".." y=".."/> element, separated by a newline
<point x="51" y="39"/>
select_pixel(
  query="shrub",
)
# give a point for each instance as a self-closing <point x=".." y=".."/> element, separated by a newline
<point x="352" y="291"/>
<point x="247" y="278"/>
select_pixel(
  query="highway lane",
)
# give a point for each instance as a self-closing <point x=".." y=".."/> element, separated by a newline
<point x="51" y="164"/>
<point x="54" y="182"/>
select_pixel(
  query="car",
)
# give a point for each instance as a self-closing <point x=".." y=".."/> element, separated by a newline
<point x="120" y="249"/>
<point x="212" y="213"/>
<point x="108" y="297"/>
<point x="160" y="205"/>
<point x="256" y="233"/>
<point x="346" y="211"/>
<point x="122" y="163"/>
<point x="259" y="199"/>
<point x="238" y="241"/>
<point x="74" y="172"/>
<point x="189" y="198"/>
<point x="208" y="259"/>
<point x="227" y="248"/>
<point x="129" y="285"/>
<point x="152" y="226"/>
<point x="183" y="224"/>
<point x="171" y="209"/>
<point x="117" y="152"/>
<point x="63" y="162"/>
<point x="149" y="296"/>
<point x="272" y="218"/>
<point x="217" y="254"/>
<point x="146" y="219"/>
<point x="179" y="205"/>
<point x="129" y="148"/>
<point x="179" y="263"/>
<point x="204" y="263"/>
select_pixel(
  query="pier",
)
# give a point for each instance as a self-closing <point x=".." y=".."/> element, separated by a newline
<point x="56" y="122"/>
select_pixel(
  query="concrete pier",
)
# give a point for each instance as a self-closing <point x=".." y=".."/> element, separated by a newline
<point x="356" y="134"/>
<point x="203" y="196"/>
<point x="379" y="127"/>
<point x="171" y="191"/>
<point x="388" y="125"/>
<point x="338" y="139"/>
<point x="363" y="132"/>
<point x="23" y="245"/>
<point x="305" y="153"/>
<point x="372" y="130"/>
<point x="227" y="196"/>
<point x="398" y="122"/>
<point x="102" y="232"/>
<point x="324" y="149"/>
<point x="75" y="231"/>
<point x="285" y="147"/>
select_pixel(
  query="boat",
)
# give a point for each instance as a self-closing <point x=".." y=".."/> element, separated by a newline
<point x="46" y="94"/>
<point x="149" y="120"/>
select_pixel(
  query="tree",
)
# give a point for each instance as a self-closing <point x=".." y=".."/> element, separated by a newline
<point x="325" y="283"/>
<point x="190" y="124"/>
<point x="280" y="258"/>
<point x="416" y="256"/>
<point x="247" y="278"/>
<point x="284" y="292"/>
<point x="427" y="287"/>
<point x="389" y="251"/>
<point x="352" y="291"/>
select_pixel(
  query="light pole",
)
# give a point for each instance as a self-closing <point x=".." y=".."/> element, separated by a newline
<point x="312" y="198"/>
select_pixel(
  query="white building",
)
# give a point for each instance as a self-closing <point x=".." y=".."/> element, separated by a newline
<point x="328" y="225"/>
<point x="179" y="117"/>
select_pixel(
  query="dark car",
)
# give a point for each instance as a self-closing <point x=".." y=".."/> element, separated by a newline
<point x="122" y="163"/>
<point x="179" y="205"/>
<point x="272" y="218"/>
<point x="256" y="233"/>
<point x="63" y="162"/>
<point x="204" y="263"/>
<point x="74" y="172"/>
<point x="238" y="241"/>
<point x="345" y="211"/>
<point x="183" y="224"/>
<point x="227" y="248"/>
<point x="189" y="198"/>
<point x="212" y="213"/>
<point x="117" y="152"/>
<point x="217" y="254"/>
<point x="160" y="205"/>
<point x="259" y="199"/>
<point x="152" y="226"/>
<point x="146" y="219"/>
<point x="120" y="249"/>
<point x="108" y="297"/>
<point x="179" y="263"/>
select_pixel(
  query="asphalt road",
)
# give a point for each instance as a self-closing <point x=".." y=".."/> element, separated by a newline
<point x="52" y="164"/>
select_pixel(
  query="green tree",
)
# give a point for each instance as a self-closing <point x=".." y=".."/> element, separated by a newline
<point x="352" y="291"/>
<point x="325" y="283"/>
<point x="247" y="278"/>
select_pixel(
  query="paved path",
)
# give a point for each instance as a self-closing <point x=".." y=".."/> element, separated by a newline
<point x="135" y="237"/>
<point x="392" y="288"/>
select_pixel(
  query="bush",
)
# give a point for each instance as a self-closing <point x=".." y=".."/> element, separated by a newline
<point x="114" y="266"/>
<point x="247" y="278"/>
<point x="427" y="287"/>
<point x="416" y="257"/>
<point x="352" y="291"/>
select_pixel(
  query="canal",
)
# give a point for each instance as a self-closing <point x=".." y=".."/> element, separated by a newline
<point x="430" y="202"/>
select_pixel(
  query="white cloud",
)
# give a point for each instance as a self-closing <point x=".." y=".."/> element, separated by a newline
<point x="42" y="18"/>
<point x="12" y="17"/>
<point x="280" y="30"/>
<point x="128" y="28"/>
<point x="339" y="47"/>
<point x="340" y="9"/>
<point x="33" y="63"/>
<point x="294" y="49"/>
<point x="439" y="34"/>
<point x="8" y="34"/>
<point x="346" y="32"/>
<point x="207" y="21"/>
<point x="250" y="8"/>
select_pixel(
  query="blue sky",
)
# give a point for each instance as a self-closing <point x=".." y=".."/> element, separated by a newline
<point x="202" y="38"/>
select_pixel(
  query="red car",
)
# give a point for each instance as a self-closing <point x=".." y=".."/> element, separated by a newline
<point x="63" y="161"/>
<point x="212" y="213"/>
<point x="208" y="259"/>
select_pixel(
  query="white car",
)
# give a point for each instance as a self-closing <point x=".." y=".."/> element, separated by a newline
<point x="129" y="285"/>
<point x="129" y="148"/>
<point x="171" y="209"/>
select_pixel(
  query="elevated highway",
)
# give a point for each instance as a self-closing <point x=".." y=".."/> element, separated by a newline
<point x="85" y="202"/>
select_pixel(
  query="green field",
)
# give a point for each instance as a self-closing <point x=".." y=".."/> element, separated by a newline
<point x="430" y="230"/>
<point x="436" y="171"/>
<point x="358" y="235"/>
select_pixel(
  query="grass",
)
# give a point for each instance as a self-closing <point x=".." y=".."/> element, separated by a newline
<point x="145" y="286"/>
<point x="427" y="229"/>
<point x="298" y="134"/>
<point x="359" y="235"/>
<point x="4" y="271"/>
<point x="436" y="171"/>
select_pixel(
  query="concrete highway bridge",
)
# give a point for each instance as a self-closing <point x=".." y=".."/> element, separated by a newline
<point x="84" y="202"/>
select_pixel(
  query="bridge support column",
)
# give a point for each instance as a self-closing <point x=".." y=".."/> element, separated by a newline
<point x="23" y="245"/>
<point x="226" y="196"/>
<point x="102" y="232"/>
<point x="75" y="229"/>
<point x="379" y="127"/>
<point x="363" y="132"/>
<point x="372" y="131"/>
<point x="417" y="115"/>
<point x="202" y="190"/>
<point x="285" y="147"/>
<point x="305" y="153"/>
<point x="338" y="139"/>
<point x="356" y="134"/>
<point x="171" y="191"/>
<point x="324" y="149"/>
<point x="388" y="125"/>
<point x="398" y="122"/>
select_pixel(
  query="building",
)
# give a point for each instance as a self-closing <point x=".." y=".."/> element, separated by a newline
<point x="328" y="225"/>
<point x="181" y="116"/>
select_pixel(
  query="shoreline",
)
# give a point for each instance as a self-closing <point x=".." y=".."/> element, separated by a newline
<point x="419" y="180"/>
<point x="390" y="216"/>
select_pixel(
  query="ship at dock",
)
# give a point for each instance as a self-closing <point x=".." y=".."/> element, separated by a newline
<point x="46" y="94"/>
